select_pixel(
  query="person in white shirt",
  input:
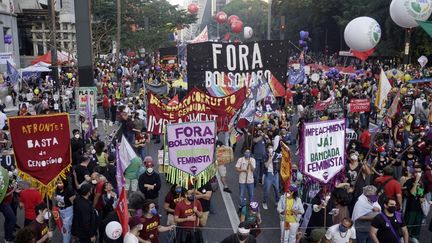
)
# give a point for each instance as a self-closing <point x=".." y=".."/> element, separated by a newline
<point x="135" y="227"/>
<point x="245" y="166"/>
<point x="341" y="233"/>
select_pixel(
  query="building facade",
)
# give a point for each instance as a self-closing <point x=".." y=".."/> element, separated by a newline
<point x="8" y="27"/>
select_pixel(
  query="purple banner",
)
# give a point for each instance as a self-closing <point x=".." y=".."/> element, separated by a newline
<point x="191" y="145"/>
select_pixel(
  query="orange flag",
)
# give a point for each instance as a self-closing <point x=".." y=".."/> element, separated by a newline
<point x="285" y="170"/>
<point x="123" y="212"/>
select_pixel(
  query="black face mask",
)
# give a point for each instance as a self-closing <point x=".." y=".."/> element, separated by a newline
<point x="242" y="237"/>
<point x="391" y="209"/>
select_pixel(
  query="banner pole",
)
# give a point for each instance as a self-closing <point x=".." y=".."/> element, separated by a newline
<point x="325" y="208"/>
<point x="49" y="211"/>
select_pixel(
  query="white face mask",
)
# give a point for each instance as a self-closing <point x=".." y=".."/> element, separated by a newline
<point x="150" y="170"/>
<point x="76" y="136"/>
<point x="94" y="182"/>
<point x="354" y="157"/>
<point x="47" y="215"/>
<point x="288" y="194"/>
<point x="93" y="151"/>
<point x="140" y="227"/>
<point x="327" y="197"/>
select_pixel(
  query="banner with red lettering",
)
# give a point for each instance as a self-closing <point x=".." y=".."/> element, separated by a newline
<point x="359" y="105"/>
<point x="323" y="104"/>
<point x="42" y="148"/>
<point x="196" y="106"/>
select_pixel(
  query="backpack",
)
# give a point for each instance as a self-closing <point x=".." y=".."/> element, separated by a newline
<point x="380" y="192"/>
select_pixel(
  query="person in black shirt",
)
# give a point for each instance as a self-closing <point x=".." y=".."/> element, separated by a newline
<point x="386" y="226"/>
<point x="149" y="182"/>
<point x="242" y="236"/>
<point x="77" y="145"/>
<point x="204" y="195"/>
<point x="109" y="171"/>
<point x="81" y="173"/>
<point x="84" y="223"/>
<point x="64" y="197"/>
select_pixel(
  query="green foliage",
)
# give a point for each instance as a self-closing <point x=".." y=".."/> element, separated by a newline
<point x="154" y="21"/>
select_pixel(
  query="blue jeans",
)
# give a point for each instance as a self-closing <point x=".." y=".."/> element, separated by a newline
<point x="67" y="217"/>
<point x="10" y="220"/>
<point x="271" y="180"/>
<point x="258" y="172"/>
<point x="142" y="152"/>
<point x="363" y="237"/>
<point x="250" y="189"/>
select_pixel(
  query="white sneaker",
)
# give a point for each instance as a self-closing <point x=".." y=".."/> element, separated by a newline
<point x="265" y="206"/>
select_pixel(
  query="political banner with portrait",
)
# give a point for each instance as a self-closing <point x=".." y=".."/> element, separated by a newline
<point x="224" y="68"/>
<point x="323" y="149"/>
<point x="196" y="106"/>
<point x="191" y="151"/>
<point x="42" y="148"/>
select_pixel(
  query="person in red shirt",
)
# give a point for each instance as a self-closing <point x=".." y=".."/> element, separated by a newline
<point x="9" y="215"/>
<point x="392" y="188"/>
<point x="151" y="224"/>
<point x="29" y="199"/>
<point x="175" y="195"/>
<point x="186" y="215"/>
<point x="105" y="106"/>
<point x="98" y="182"/>
<point x="365" y="140"/>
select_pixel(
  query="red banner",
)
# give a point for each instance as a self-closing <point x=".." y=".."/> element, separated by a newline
<point x="122" y="211"/>
<point x="196" y="106"/>
<point x="323" y="104"/>
<point x="360" y="105"/>
<point x="42" y="147"/>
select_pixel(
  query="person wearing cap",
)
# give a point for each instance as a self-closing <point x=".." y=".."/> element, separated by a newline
<point x="39" y="226"/>
<point x="252" y="217"/>
<point x="187" y="214"/>
<point x="84" y="223"/>
<point x="365" y="210"/>
<point x="341" y="233"/>
<point x="135" y="227"/>
<point x="290" y="209"/>
<point x="151" y="224"/>
<point x="242" y="236"/>
<point x="149" y="182"/>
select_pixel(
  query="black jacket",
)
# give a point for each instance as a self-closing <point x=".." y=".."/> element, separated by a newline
<point x="84" y="223"/>
<point x="153" y="179"/>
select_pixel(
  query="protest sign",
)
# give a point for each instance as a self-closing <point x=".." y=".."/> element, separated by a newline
<point x="350" y="135"/>
<point x="4" y="182"/>
<point x="359" y="105"/>
<point x="7" y="161"/>
<point x="323" y="104"/>
<point x="42" y="148"/>
<point x="81" y="95"/>
<point x="224" y="68"/>
<point x="323" y="149"/>
<point x="191" y="149"/>
<point x="196" y="106"/>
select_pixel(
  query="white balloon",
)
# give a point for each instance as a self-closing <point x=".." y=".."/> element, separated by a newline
<point x="423" y="61"/>
<point x="405" y="12"/>
<point x="362" y="33"/>
<point x="113" y="230"/>
<point x="247" y="32"/>
<point x="8" y="99"/>
<point x="315" y="77"/>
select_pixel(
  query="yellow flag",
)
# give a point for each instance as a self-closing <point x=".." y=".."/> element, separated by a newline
<point x="285" y="170"/>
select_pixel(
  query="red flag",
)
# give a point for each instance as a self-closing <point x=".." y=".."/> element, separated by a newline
<point x="57" y="218"/>
<point x="363" y="55"/>
<point x="276" y="87"/>
<point x="174" y="100"/>
<point x="123" y="212"/>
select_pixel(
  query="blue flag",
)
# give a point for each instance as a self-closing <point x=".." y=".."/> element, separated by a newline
<point x="13" y="73"/>
<point x="296" y="76"/>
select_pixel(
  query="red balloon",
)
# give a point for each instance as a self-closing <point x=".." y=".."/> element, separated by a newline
<point x="237" y="26"/>
<point x="221" y="17"/>
<point x="232" y="18"/>
<point x="193" y="8"/>
<point x="227" y="36"/>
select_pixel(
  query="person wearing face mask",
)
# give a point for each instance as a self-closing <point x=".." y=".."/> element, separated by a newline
<point x="365" y="210"/>
<point x="319" y="202"/>
<point x="94" y="138"/>
<point x="379" y="163"/>
<point x="242" y="236"/>
<point x="385" y="227"/>
<point x="81" y="173"/>
<point x="187" y="214"/>
<point x="135" y="229"/>
<point x="175" y="195"/>
<point x="84" y="223"/>
<point x="149" y="182"/>
<point x="77" y="145"/>
<point x="245" y="166"/>
<point x="341" y="233"/>
<point x="290" y="208"/>
<point x="390" y="187"/>
<point x="416" y="189"/>
<point x="271" y="176"/>
<point x="39" y="226"/>
<point x="63" y="198"/>
<point x="407" y="119"/>
<point x="151" y="224"/>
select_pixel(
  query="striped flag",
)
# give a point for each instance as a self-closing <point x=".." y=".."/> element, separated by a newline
<point x="125" y="155"/>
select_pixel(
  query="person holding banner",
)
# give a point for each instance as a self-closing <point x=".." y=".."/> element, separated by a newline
<point x="187" y="215"/>
<point x="39" y="226"/>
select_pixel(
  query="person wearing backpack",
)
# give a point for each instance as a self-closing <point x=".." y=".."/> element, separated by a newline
<point x="389" y="225"/>
<point x="388" y="187"/>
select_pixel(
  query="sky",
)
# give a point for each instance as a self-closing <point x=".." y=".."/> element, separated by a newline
<point x="174" y="2"/>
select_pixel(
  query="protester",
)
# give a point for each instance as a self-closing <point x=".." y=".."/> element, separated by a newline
<point x="245" y="166"/>
<point x="29" y="198"/>
<point x="290" y="208"/>
<point x="39" y="226"/>
<point x="186" y="216"/>
<point x="64" y="198"/>
<point x="131" y="175"/>
<point x="341" y="233"/>
<point x="242" y="236"/>
<point x="174" y="195"/>
<point x="251" y="216"/>
<point x="84" y="224"/>
<point x="149" y="182"/>
<point x="271" y="176"/>
<point x="135" y="227"/>
<point x="151" y="224"/>
<point x="204" y="195"/>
